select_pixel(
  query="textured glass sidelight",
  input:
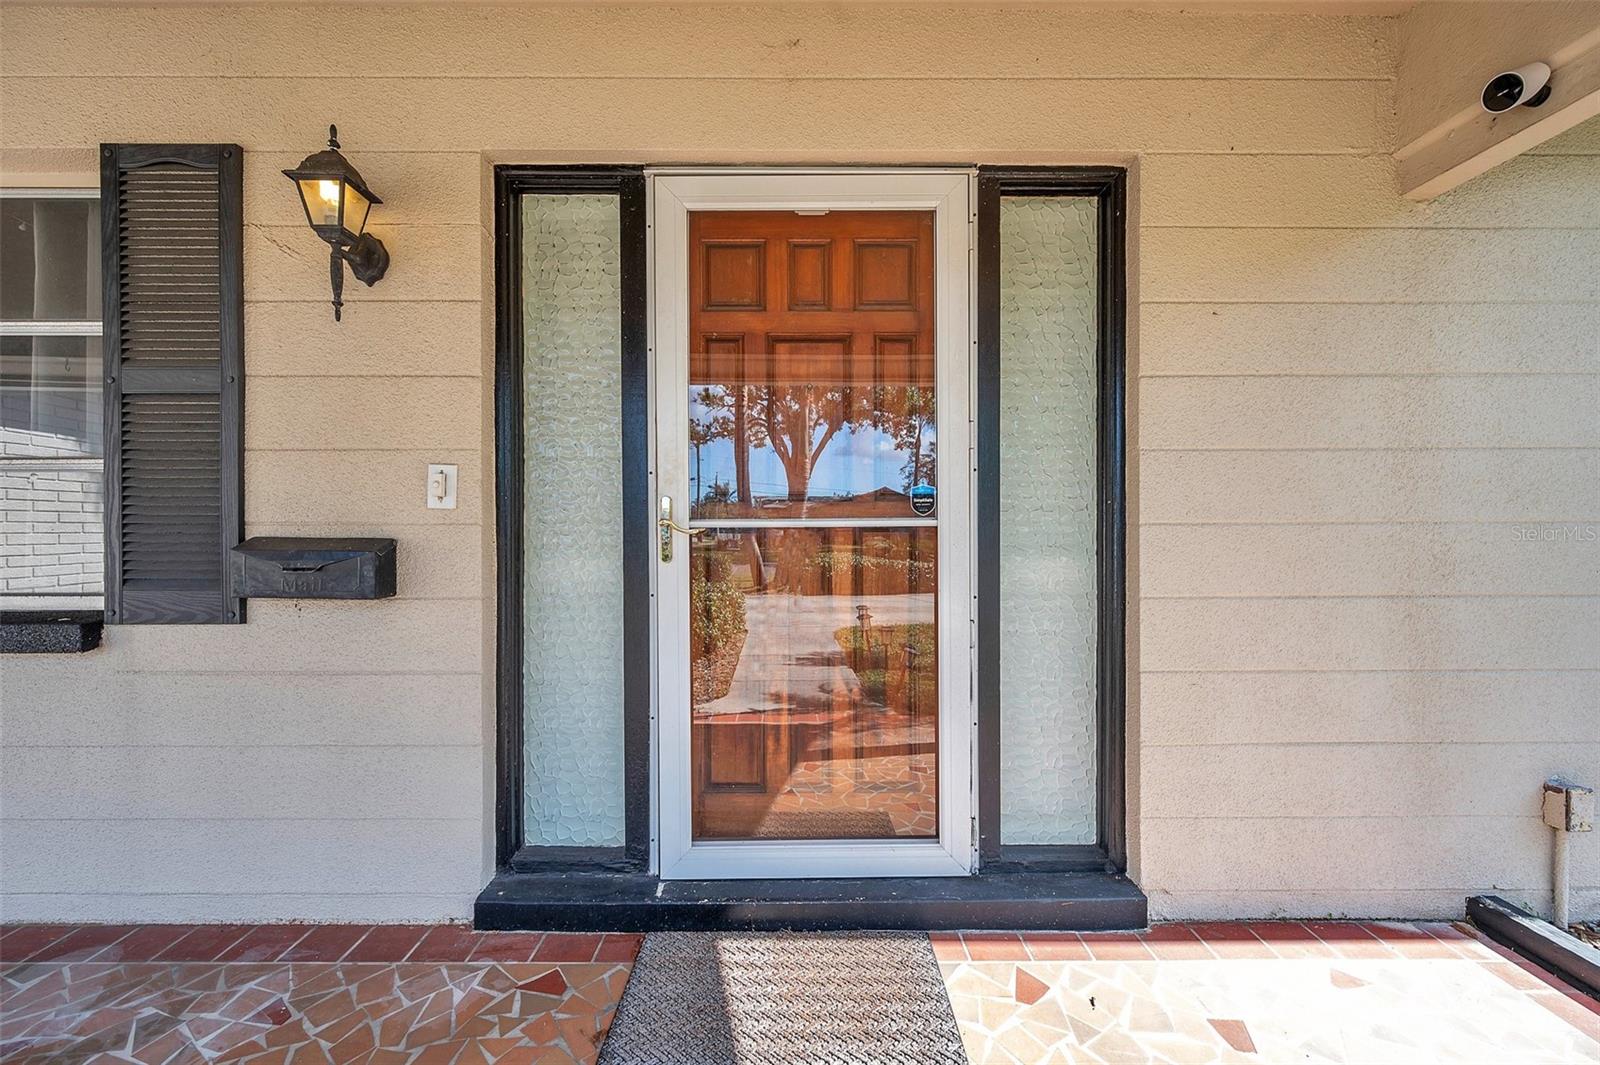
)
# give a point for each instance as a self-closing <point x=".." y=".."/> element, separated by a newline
<point x="572" y="532"/>
<point x="1047" y="519"/>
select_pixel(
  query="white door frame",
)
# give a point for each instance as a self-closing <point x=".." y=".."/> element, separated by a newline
<point x="949" y="194"/>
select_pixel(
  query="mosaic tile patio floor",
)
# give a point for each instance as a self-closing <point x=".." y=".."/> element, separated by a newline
<point x="1268" y="992"/>
<point x="296" y="995"/>
<point x="443" y="995"/>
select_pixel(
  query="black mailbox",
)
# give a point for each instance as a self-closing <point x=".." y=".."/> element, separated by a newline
<point x="313" y="567"/>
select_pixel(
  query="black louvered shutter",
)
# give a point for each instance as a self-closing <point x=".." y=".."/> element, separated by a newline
<point x="172" y="256"/>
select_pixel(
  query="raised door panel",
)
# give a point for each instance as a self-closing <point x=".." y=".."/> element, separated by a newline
<point x="733" y="275"/>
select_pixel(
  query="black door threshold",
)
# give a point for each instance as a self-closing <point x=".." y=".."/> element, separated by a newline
<point x="633" y="902"/>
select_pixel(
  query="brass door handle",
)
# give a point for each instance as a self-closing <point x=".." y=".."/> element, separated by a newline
<point x="666" y="527"/>
<point x="670" y="524"/>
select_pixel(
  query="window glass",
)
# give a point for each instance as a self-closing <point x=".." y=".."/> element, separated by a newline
<point x="572" y="533"/>
<point x="50" y="397"/>
<point x="1048" y="606"/>
<point x="49" y="259"/>
<point x="52" y="497"/>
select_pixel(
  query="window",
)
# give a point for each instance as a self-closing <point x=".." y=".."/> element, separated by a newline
<point x="52" y="490"/>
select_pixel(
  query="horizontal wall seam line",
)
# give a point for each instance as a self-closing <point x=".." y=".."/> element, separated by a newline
<point x="1578" y="303"/>
<point x="1319" y="816"/>
<point x="1347" y="671"/>
<point x="1324" y="889"/>
<point x="1559" y="671"/>
<point x="1372" y="744"/>
<point x="243" y="896"/>
<point x="240" y="747"/>
<point x="1152" y="301"/>
<point x="212" y="819"/>
<point x="803" y="79"/>
<point x="521" y="155"/>
<point x="1376" y="227"/>
<point x="283" y="376"/>
<point x="1338" y="523"/>
<point x="279" y="673"/>
<point x="1367" y="376"/>
<point x="383" y="225"/>
<point x="1145" y="449"/>
<point x="1405" y="597"/>
<point x="374" y="524"/>
<point x="417" y="598"/>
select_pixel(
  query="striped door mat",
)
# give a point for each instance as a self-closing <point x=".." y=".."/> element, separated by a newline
<point x="785" y="998"/>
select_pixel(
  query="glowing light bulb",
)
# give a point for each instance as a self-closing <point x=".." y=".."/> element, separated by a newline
<point x="329" y="191"/>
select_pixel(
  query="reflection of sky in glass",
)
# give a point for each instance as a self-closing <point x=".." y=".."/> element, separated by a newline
<point x="859" y="459"/>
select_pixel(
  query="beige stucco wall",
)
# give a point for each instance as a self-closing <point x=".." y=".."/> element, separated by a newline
<point x="1349" y="669"/>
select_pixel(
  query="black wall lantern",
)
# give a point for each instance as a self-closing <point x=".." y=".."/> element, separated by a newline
<point x="337" y="202"/>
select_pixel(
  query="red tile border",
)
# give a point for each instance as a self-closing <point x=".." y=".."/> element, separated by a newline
<point x="619" y="946"/>
<point x="265" y="943"/>
<point x="994" y="946"/>
<point x="1056" y="946"/>
<point x="1580" y="1017"/>
<point x="1391" y="931"/>
<point x="80" y="944"/>
<point x="144" y="943"/>
<point x="947" y="946"/>
<point x="1232" y="939"/>
<point x="507" y="946"/>
<point x="446" y="942"/>
<point x="1176" y="942"/>
<point x="1411" y="940"/>
<point x="1291" y="939"/>
<point x="388" y="942"/>
<point x="1349" y="939"/>
<point x="568" y="946"/>
<point x="1117" y="946"/>
<point x="204" y="943"/>
<point x="24" y="941"/>
<point x="328" y="942"/>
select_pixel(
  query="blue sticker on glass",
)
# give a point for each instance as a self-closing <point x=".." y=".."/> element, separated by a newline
<point x="922" y="497"/>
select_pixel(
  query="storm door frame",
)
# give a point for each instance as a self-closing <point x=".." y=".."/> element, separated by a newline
<point x="676" y="193"/>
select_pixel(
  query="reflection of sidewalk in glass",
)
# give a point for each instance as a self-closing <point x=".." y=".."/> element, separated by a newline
<point x="792" y="661"/>
<point x="862" y="753"/>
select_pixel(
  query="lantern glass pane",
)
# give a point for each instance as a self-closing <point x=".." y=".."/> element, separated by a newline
<point x="321" y="196"/>
<point x="356" y="207"/>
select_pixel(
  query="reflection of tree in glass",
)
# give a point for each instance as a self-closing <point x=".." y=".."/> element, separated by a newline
<point x="907" y="427"/>
<point x="797" y="422"/>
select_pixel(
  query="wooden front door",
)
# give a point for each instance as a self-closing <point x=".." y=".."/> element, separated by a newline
<point x="811" y="409"/>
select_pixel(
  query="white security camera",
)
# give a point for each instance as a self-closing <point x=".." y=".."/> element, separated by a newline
<point x="1527" y="85"/>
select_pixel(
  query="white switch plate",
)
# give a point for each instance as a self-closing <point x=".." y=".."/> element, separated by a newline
<point x="441" y="487"/>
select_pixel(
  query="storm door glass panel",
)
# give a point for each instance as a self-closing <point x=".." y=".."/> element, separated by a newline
<point x="812" y="575"/>
<point x="1048" y="604"/>
<point x="572" y="533"/>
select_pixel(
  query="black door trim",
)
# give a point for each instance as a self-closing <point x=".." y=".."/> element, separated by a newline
<point x="510" y="183"/>
<point x="1108" y="185"/>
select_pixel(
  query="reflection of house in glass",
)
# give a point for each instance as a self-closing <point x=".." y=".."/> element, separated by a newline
<point x="815" y="680"/>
